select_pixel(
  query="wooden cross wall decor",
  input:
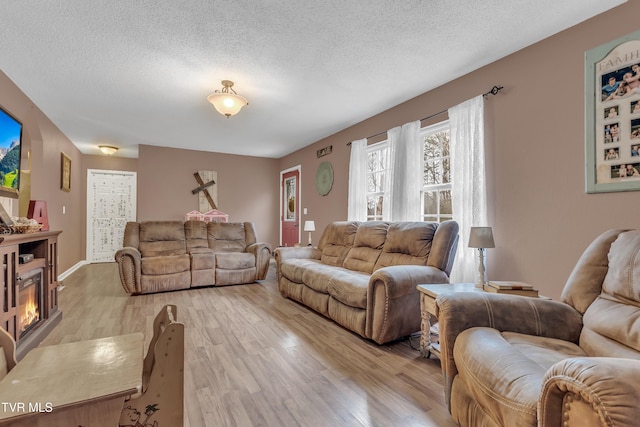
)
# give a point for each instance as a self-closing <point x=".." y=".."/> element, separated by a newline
<point x="207" y="190"/>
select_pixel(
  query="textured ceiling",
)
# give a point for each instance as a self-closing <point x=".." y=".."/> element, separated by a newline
<point x="139" y="72"/>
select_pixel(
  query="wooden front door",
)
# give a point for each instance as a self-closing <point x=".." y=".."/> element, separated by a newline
<point x="290" y="208"/>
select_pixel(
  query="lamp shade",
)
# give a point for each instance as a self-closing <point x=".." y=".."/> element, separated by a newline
<point x="481" y="237"/>
<point x="309" y="226"/>
<point x="227" y="104"/>
<point x="226" y="101"/>
<point x="108" y="149"/>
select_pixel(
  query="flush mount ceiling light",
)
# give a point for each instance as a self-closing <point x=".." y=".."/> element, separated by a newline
<point x="108" y="149"/>
<point x="226" y="100"/>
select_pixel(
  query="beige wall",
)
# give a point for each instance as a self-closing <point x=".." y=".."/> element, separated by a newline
<point x="45" y="142"/>
<point x="541" y="215"/>
<point x="247" y="186"/>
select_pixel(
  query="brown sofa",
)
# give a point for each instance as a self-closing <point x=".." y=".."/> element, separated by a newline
<point x="517" y="361"/>
<point x="364" y="275"/>
<point x="163" y="256"/>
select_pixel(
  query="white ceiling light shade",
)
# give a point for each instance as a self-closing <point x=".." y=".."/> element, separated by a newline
<point x="108" y="149"/>
<point x="226" y="100"/>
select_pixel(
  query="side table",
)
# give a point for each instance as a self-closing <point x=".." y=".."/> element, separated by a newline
<point x="428" y="295"/>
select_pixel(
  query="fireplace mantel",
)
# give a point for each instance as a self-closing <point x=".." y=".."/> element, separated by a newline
<point x="43" y="246"/>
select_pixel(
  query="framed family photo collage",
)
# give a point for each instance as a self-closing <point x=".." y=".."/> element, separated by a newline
<point x="612" y="115"/>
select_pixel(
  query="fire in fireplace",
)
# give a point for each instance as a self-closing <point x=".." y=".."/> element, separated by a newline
<point x="30" y="297"/>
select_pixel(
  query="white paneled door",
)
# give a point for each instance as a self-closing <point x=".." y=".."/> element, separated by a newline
<point x="111" y="202"/>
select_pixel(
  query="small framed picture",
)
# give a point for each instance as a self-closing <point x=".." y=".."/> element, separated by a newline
<point x="612" y="153"/>
<point x="65" y="172"/>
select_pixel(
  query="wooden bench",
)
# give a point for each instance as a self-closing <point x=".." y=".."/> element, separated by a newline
<point x="161" y="402"/>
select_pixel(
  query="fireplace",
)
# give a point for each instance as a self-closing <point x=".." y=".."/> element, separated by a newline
<point x="31" y="297"/>
<point x="29" y="287"/>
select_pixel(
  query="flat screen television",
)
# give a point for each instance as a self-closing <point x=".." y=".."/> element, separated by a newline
<point x="10" y="141"/>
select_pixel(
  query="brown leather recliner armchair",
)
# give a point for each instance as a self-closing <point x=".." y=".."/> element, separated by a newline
<point x="518" y="361"/>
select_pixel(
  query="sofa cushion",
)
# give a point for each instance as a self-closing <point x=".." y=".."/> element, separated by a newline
<point x="162" y="238"/>
<point x="336" y="240"/>
<point x="235" y="260"/>
<point x="235" y="276"/>
<point x="367" y="246"/>
<point x="226" y="236"/>
<point x="317" y="301"/>
<point x="622" y="280"/>
<point x="294" y="268"/>
<point x="160" y="265"/>
<point x="352" y="318"/>
<point x="202" y="259"/>
<point x="194" y="251"/>
<point x="407" y="243"/>
<point x="349" y="287"/>
<point x="196" y="234"/>
<point x="504" y="371"/>
<point x="165" y="282"/>
<point x="612" y="322"/>
<point x="317" y="276"/>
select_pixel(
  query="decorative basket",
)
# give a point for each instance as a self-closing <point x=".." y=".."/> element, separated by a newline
<point x="24" y="229"/>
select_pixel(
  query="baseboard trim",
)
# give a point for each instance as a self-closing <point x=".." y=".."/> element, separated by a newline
<point x="73" y="268"/>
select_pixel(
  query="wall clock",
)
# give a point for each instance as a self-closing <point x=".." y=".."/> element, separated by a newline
<point x="324" y="178"/>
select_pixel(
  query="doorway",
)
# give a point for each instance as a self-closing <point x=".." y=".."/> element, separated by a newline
<point x="111" y="203"/>
<point x="290" y="206"/>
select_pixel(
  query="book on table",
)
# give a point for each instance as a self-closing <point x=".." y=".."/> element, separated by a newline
<point x="522" y="292"/>
<point x="509" y="285"/>
<point x="511" y="288"/>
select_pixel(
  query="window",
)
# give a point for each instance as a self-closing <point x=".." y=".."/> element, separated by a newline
<point x="436" y="179"/>
<point x="436" y="190"/>
<point x="378" y="170"/>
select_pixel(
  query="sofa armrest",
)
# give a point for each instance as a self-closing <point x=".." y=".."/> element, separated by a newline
<point x="393" y="301"/>
<point x="458" y="311"/>
<point x="304" y="252"/>
<point x="262" y="252"/>
<point x="129" y="259"/>
<point x="591" y="391"/>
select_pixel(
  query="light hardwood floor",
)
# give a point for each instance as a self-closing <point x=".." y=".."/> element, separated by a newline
<point x="254" y="358"/>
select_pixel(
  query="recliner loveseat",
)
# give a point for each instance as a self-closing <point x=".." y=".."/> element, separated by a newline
<point x="162" y="256"/>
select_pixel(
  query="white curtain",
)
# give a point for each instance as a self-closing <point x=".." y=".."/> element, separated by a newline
<point x="357" y="209"/>
<point x="405" y="184"/>
<point x="469" y="194"/>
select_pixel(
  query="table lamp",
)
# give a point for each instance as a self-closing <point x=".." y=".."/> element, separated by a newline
<point x="309" y="226"/>
<point x="481" y="238"/>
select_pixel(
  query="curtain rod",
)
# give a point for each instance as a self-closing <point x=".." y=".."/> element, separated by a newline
<point x="494" y="91"/>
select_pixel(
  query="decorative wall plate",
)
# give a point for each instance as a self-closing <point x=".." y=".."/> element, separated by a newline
<point x="324" y="178"/>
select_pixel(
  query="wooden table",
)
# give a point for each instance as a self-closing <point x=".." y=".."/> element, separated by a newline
<point x="428" y="295"/>
<point x="83" y="383"/>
